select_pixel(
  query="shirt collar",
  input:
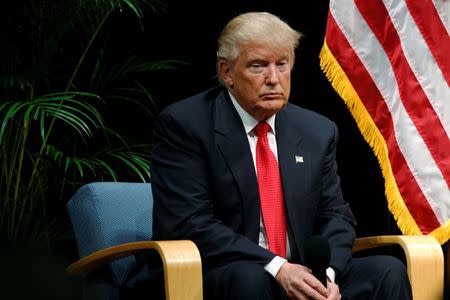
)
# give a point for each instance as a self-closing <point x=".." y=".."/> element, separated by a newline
<point x="249" y="121"/>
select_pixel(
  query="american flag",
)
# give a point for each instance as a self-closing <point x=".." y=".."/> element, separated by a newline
<point x="389" y="60"/>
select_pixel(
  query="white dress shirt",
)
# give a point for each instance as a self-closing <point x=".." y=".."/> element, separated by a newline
<point x="249" y="123"/>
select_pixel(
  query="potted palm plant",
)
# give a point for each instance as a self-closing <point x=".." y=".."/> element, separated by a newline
<point x="56" y="83"/>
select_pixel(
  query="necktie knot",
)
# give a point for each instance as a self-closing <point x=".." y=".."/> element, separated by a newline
<point x="261" y="129"/>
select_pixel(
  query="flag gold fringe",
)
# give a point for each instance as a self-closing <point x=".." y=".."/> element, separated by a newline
<point x="442" y="234"/>
<point x="374" y="138"/>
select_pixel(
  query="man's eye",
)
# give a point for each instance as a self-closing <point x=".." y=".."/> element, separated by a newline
<point x="256" y="67"/>
<point x="283" y="65"/>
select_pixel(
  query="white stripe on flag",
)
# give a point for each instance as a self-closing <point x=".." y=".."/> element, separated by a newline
<point x="443" y="10"/>
<point x="413" y="148"/>
<point x="421" y="61"/>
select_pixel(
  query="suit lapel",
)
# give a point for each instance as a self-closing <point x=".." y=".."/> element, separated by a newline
<point x="232" y="141"/>
<point x="288" y="144"/>
<point x="293" y="162"/>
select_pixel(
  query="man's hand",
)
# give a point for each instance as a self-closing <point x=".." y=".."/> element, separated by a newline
<point x="300" y="284"/>
<point x="333" y="291"/>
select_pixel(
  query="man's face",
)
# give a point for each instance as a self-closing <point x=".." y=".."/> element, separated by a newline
<point x="259" y="79"/>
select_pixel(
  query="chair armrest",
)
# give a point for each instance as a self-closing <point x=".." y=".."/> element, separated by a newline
<point x="181" y="262"/>
<point x="447" y="266"/>
<point x="424" y="260"/>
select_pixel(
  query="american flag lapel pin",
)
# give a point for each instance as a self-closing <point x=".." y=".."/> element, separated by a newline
<point x="298" y="159"/>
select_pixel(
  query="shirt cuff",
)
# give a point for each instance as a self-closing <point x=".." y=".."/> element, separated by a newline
<point x="275" y="265"/>
<point x="331" y="274"/>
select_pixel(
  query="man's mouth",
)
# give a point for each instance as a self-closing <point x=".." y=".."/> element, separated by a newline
<point x="270" y="96"/>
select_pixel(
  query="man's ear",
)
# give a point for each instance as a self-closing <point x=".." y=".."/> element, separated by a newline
<point x="225" y="72"/>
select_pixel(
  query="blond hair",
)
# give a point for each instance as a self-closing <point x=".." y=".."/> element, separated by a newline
<point x="256" y="28"/>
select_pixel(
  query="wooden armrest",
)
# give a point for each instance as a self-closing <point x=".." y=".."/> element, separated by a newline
<point x="424" y="259"/>
<point x="447" y="266"/>
<point x="181" y="262"/>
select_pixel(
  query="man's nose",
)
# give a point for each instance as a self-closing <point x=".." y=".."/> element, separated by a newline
<point x="272" y="75"/>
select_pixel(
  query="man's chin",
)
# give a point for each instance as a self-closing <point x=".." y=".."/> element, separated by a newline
<point x="269" y="111"/>
<point x="273" y="106"/>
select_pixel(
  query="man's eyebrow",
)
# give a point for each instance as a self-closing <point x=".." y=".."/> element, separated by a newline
<point x="257" y="60"/>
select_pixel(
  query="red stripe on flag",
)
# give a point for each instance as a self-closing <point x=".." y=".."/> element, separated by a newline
<point x="373" y="101"/>
<point x="433" y="31"/>
<point x="412" y="95"/>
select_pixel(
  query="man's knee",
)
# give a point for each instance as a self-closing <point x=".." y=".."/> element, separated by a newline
<point x="395" y="274"/>
<point x="393" y="278"/>
<point x="247" y="274"/>
<point x="239" y="280"/>
<point x="389" y="265"/>
<point x="376" y="277"/>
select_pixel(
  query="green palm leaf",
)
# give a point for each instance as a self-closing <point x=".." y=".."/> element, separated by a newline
<point x="156" y="65"/>
<point x="136" y="161"/>
<point x="53" y="41"/>
<point x="68" y="108"/>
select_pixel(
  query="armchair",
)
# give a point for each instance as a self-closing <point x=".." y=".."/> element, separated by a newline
<point x="112" y="221"/>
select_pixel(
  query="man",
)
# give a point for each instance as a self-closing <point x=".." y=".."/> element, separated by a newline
<point x="250" y="178"/>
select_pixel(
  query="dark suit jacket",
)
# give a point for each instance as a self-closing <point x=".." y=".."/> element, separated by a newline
<point x="205" y="186"/>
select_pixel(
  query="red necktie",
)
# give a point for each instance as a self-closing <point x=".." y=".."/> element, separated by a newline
<point x="270" y="192"/>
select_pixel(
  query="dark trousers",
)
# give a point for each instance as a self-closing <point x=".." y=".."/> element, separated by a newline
<point x="372" y="277"/>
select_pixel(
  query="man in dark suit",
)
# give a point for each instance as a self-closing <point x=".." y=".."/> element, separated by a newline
<point x="250" y="177"/>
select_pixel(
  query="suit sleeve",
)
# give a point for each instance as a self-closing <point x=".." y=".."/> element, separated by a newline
<point x="182" y="205"/>
<point x="335" y="219"/>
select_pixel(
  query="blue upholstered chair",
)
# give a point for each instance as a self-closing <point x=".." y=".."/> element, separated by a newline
<point x="112" y="221"/>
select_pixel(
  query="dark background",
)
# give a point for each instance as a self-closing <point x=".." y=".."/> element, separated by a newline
<point x="187" y="31"/>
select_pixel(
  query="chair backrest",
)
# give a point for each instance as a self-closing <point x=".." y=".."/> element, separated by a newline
<point x="106" y="214"/>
